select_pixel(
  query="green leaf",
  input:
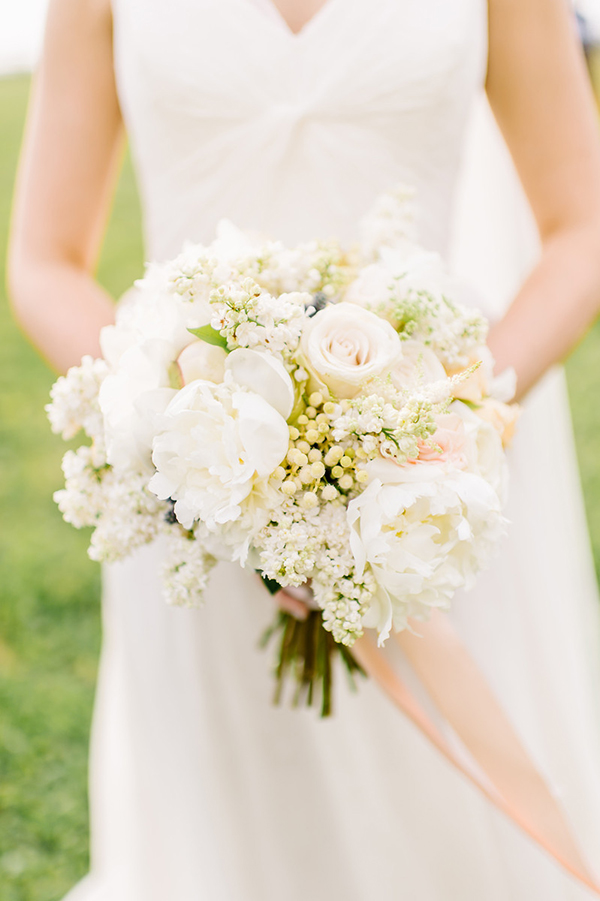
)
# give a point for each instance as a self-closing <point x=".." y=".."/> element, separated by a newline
<point x="270" y="584"/>
<point x="211" y="336"/>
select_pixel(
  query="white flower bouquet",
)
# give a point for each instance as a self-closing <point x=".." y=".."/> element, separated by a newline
<point x="316" y="414"/>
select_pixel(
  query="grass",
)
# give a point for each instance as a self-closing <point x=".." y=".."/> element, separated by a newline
<point x="49" y="611"/>
<point x="49" y="589"/>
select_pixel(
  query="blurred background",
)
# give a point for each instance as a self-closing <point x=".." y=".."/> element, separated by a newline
<point x="49" y="590"/>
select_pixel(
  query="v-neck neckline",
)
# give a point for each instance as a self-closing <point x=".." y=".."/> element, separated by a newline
<point x="267" y="10"/>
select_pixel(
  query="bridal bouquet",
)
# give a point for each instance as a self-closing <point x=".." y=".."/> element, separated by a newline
<point x="312" y="413"/>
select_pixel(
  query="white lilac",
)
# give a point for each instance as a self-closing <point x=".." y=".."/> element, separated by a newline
<point x="117" y="505"/>
<point x="185" y="569"/>
<point x="247" y="316"/>
<point x="391" y="428"/>
<point x="74" y="400"/>
<point x="343" y="594"/>
<point x="289" y="547"/>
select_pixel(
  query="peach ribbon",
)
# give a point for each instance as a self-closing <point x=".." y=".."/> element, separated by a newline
<point x="461" y="694"/>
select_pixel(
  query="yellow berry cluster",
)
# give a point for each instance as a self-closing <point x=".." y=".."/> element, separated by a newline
<point x="311" y="454"/>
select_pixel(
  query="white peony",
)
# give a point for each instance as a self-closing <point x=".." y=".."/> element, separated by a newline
<point x="141" y="347"/>
<point x="425" y="530"/>
<point x="486" y="453"/>
<point x="130" y="398"/>
<point x="217" y="442"/>
<point x="264" y="374"/>
<point x="345" y="346"/>
<point x="503" y="417"/>
<point x="200" y="360"/>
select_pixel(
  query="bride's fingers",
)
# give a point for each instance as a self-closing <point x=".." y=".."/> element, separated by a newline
<point x="291" y="604"/>
<point x="301" y="593"/>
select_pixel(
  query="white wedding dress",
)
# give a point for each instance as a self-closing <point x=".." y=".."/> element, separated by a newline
<point x="200" y="789"/>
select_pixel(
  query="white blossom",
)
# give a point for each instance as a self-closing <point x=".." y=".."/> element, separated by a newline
<point x="74" y="400"/>
<point x="215" y="443"/>
<point x="116" y="504"/>
<point x="185" y="569"/>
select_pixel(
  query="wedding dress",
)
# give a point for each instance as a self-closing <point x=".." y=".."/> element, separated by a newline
<point x="200" y="788"/>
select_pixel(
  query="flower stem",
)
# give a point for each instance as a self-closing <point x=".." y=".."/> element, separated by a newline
<point x="305" y="654"/>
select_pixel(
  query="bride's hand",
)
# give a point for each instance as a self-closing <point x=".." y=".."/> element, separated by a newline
<point x="295" y="601"/>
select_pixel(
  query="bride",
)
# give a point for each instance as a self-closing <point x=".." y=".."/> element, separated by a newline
<point x="290" y="117"/>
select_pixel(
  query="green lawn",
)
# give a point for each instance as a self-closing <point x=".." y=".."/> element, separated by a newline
<point x="49" y="613"/>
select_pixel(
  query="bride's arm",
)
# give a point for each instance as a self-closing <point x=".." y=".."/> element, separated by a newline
<point x="68" y="167"/>
<point x="540" y="95"/>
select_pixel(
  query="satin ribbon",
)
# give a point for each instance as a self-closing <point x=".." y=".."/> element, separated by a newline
<point x="461" y="694"/>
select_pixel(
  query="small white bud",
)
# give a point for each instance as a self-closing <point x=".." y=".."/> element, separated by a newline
<point x="334" y="455"/>
<point x="309" y="500"/>
<point x="305" y="475"/>
<point x="329" y="493"/>
<point x="318" y="470"/>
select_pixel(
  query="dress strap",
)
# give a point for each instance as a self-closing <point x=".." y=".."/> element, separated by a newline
<point x="501" y="768"/>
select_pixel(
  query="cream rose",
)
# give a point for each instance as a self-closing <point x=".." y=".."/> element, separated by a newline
<point x="503" y="417"/>
<point x="418" y="366"/>
<point x="479" y="383"/>
<point x="345" y="346"/>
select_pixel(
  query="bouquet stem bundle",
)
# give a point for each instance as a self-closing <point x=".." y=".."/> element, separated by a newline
<point x="306" y="654"/>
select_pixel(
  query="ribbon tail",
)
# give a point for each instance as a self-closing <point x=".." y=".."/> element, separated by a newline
<point x="461" y="694"/>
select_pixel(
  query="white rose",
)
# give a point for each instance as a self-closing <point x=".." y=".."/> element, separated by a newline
<point x="371" y="288"/>
<point x="216" y="444"/>
<point x="425" y="533"/>
<point x="400" y="269"/>
<point x="345" y="345"/>
<point x="418" y="366"/>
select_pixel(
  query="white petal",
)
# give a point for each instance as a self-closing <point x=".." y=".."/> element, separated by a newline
<point x="264" y="433"/>
<point x="265" y="375"/>
<point x="200" y="360"/>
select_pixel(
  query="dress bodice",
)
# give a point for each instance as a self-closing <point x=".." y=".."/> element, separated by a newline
<point x="231" y="114"/>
